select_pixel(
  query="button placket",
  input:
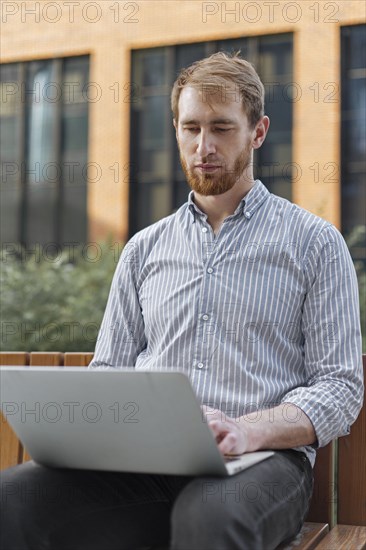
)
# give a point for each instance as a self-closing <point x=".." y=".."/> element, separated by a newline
<point x="203" y="344"/>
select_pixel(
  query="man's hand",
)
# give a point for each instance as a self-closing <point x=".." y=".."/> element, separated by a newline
<point x="282" y="427"/>
<point x="229" y="432"/>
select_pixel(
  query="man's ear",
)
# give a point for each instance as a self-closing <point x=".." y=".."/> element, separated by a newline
<point x="260" y="131"/>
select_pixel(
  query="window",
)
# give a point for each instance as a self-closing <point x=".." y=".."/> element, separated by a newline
<point x="157" y="182"/>
<point x="44" y="129"/>
<point x="353" y="133"/>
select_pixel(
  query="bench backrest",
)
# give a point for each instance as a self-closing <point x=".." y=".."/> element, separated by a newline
<point x="340" y="475"/>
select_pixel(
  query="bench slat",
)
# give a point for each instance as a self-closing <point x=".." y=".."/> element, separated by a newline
<point x="323" y="498"/>
<point x="14" y="358"/>
<point x="308" y="538"/>
<point x="344" y="537"/>
<point x="352" y="471"/>
<point x="46" y="359"/>
<point x="75" y="359"/>
<point x="11" y="450"/>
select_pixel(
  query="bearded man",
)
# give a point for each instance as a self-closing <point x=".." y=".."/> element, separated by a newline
<point x="256" y="300"/>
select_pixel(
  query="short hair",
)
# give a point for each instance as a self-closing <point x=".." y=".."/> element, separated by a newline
<point x="212" y="75"/>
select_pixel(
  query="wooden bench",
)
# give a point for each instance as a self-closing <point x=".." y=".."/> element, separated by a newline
<point x="337" y="514"/>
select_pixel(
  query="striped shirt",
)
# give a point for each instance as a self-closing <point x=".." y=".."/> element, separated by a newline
<point x="265" y="312"/>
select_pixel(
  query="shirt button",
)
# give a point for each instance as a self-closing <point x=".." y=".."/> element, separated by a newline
<point x="248" y="214"/>
<point x="209" y="270"/>
<point x="205" y="317"/>
<point x="200" y="365"/>
<point x="204" y="229"/>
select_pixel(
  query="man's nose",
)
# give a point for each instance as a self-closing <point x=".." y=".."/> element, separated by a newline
<point x="206" y="144"/>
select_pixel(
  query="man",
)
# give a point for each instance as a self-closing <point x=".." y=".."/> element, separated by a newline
<point x="255" y="299"/>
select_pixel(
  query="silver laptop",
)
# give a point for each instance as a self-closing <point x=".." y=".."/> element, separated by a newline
<point x="114" y="419"/>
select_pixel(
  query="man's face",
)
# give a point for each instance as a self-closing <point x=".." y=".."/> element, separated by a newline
<point x="215" y="142"/>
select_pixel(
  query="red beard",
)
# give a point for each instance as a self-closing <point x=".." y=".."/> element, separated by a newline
<point x="221" y="180"/>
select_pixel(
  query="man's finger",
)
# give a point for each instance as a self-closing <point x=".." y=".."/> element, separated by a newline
<point x="225" y="438"/>
<point x="218" y="427"/>
<point x="228" y="444"/>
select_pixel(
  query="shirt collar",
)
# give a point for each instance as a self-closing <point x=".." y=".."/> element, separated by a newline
<point x="247" y="206"/>
<point x="193" y="208"/>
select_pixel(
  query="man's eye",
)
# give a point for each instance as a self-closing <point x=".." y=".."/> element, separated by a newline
<point x="195" y="129"/>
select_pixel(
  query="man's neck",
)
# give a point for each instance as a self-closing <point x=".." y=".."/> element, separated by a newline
<point x="219" y="207"/>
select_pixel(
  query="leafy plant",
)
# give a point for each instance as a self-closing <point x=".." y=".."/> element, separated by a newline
<point x="55" y="303"/>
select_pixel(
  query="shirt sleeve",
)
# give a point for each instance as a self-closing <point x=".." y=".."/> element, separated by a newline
<point x="121" y="336"/>
<point x="331" y="331"/>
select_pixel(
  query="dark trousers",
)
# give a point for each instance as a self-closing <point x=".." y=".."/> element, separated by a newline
<point x="60" y="509"/>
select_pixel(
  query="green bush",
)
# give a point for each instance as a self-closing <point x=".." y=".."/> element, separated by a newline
<point x="55" y="303"/>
